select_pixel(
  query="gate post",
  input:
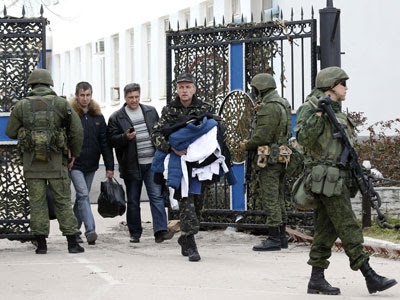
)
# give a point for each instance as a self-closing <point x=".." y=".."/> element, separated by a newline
<point x="329" y="36"/>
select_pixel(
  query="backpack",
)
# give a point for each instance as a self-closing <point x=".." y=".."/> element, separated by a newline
<point x="39" y="134"/>
<point x="42" y="140"/>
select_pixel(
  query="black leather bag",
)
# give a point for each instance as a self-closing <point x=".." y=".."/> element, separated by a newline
<point x="111" y="202"/>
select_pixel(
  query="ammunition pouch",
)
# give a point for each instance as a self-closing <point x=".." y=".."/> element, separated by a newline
<point x="325" y="180"/>
<point x="263" y="154"/>
<point x="273" y="155"/>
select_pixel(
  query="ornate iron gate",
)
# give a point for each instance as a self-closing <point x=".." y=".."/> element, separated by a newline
<point x="22" y="49"/>
<point x="287" y="49"/>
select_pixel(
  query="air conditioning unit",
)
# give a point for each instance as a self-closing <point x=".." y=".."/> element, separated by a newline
<point x="100" y="47"/>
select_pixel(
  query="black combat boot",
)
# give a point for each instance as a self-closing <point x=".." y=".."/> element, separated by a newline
<point x="375" y="282"/>
<point x="272" y="243"/>
<point x="192" y="248"/>
<point x="284" y="240"/>
<point x="318" y="284"/>
<point x="73" y="246"/>
<point x="41" y="244"/>
<point x="182" y="241"/>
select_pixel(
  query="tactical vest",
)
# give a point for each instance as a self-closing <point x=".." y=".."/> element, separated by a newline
<point x="42" y="139"/>
<point x="284" y="131"/>
<point x="330" y="148"/>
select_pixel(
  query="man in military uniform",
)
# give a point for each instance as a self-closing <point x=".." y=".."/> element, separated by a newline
<point x="47" y="130"/>
<point x="332" y="186"/>
<point x="185" y="104"/>
<point x="272" y="131"/>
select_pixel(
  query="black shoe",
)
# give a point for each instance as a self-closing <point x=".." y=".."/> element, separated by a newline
<point x="283" y="238"/>
<point x="73" y="246"/>
<point x="161" y="236"/>
<point x="134" y="239"/>
<point x="182" y="242"/>
<point x="91" y="238"/>
<point x="41" y="244"/>
<point x="192" y="248"/>
<point x="272" y="243"/>
<point x="318" y="284"/>
<point x="375" y="282"/>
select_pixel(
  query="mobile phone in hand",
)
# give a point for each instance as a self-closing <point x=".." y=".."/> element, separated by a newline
<point x="131" y="130"/>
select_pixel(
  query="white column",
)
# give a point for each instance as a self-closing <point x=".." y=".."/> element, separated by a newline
<point x="223" y="8"/>
<point x="123" y="60"/>
<point x="197" y="12"/>
<point x="245" y="7"/>
<point x="138" y="56"/>
<point x="84" y="64"/>
<point x="97" y="73"/>
<point x="108" y="69"/>
<point x="157" y="61"/>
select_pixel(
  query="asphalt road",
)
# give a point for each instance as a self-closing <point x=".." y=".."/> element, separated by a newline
<point x="117" y="269"/>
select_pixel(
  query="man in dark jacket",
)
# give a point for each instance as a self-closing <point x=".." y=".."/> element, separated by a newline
<point x="129" y="130"/>
<point x="85" y="166"/>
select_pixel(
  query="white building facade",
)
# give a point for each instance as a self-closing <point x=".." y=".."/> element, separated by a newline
<point x="110" y="44"/>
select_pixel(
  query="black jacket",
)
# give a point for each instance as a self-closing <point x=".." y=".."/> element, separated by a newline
<point x="125" y="149"/>
<point x="94" y="140"/>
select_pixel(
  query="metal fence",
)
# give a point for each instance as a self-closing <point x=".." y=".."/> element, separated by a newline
<point x="22" y="49"/>
<point x="287" y="49"/>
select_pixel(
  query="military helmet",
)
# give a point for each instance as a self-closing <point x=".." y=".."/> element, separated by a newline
<point x="330" y="77"/>
<point x="40" y="76"/>
<point x="263" y="82"/>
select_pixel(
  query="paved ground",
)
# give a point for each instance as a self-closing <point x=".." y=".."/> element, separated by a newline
<point x="117" y="269"/>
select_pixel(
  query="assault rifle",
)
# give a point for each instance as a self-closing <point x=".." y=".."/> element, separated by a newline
<point x="349" y="156"/>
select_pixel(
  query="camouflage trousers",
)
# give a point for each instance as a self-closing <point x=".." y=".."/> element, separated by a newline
<point x="189" y="214"/>
<point x="335" y="218"/>
<point x="61" y="188"/>
<point x="272" y="200"/>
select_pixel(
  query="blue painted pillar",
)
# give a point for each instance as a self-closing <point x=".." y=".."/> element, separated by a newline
<point x="236" y="83"/>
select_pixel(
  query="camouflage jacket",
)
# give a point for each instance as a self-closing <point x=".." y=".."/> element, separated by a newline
<point x="16" y="119"/>
<point x="314" y="133"/>
<point x="170" y="114"/>
<point x="273" y="122"/>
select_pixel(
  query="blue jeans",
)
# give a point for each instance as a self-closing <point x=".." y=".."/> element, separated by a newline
<point x="157" y="207"/>
<point x="82" y="184"/>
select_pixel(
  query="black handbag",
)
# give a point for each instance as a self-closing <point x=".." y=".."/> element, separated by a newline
<point x="111" y="202"/>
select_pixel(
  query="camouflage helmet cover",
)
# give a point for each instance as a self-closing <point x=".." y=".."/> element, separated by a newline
<point x="330" y="77"/>
<point x="40" y="76"/>
<point x="263" y="82"/>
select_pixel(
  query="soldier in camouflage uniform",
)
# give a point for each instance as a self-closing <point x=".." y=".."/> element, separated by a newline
<point x="272" y="129"/>
<point x="40" y="122"/>
<point x="332" y="186"/>
<point x="186" y="103"/>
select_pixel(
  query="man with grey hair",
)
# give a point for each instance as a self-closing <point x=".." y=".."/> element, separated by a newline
<point x="129" y="130"/>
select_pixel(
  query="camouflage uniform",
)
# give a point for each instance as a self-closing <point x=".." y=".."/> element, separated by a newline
<point x="335" y="217"/>
<point x="269" y="130"/>
<point x="58" y="180"/>
<point x="189" y="207"/>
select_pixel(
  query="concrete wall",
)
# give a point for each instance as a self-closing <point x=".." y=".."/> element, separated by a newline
<point x="390" y="202"/>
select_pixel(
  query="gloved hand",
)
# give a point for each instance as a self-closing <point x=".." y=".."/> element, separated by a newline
<point x="242" y="145"/>
<point x="321" y="103"/>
